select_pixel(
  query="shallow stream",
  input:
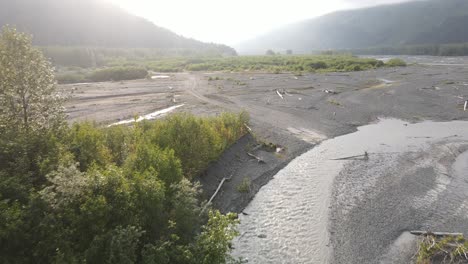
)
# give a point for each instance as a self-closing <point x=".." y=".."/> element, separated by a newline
<point x="288" y="220"/>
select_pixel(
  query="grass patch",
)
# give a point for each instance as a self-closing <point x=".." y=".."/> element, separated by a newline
<point x="217" y="78"/>
<point x="118" y="74"/>
<point x="272" y="64"/>
<point x="334" y="102"/>
<point x="395" y="62"/>
<point x="244" y="186"/>
<point x="101" y="75"/>
<point x="128" y="69"/>
<point x="449" y="249"/>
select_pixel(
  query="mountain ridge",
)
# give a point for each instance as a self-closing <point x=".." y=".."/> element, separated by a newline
<point x="416" y="22"/>
<point x="92" y="23"/>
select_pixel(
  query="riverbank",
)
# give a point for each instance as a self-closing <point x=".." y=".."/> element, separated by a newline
<point x="293" y="113"/>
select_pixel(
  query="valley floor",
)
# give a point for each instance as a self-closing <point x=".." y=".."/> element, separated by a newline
<point x="295" y="113"/>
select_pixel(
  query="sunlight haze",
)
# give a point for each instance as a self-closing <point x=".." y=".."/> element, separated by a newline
<point x="231" y="22"/>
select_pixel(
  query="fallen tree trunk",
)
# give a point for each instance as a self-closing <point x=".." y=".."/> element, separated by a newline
<point x="215" y="193"/>
<point x="248" y="128"/>
<point x="279" y="94"/>
<point x="364" y="156"/>
<point x="260" y="160"/>
<point x="425" y="233"/>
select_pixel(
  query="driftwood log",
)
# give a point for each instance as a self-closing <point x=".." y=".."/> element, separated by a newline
<point x="437" y="234"/>
<point x="279" y="94"/>
<point x="215" y="193"/>
<point x="260" y="160"/>
<point x="364" y="156"/>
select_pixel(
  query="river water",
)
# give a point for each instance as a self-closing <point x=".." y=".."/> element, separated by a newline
<point x="287" y="222"/>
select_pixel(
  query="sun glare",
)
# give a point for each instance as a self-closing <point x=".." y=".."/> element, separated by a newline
<point x="228" y="22"/>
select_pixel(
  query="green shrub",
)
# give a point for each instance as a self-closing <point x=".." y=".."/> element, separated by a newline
<point x="88" y="194"/>
<point x="244" y="186"/>
<point x="118" y="74"/>
<point x="434" y="249"/>
<point x="65" y="78"/>
<point x="395" y="62"/>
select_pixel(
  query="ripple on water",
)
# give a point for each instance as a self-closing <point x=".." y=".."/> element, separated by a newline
<point x="288" y="218"/>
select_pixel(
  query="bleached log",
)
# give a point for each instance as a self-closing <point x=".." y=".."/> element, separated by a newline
<point x="279" y="94"/>
<point x="419" y="233"/>
<point x="364" y="156"/>
<point x="248" y="128"/>
<point x="260" y="160"/>
<point x="215" y="193"/>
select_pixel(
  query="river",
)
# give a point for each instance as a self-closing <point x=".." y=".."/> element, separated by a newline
<point x="289" y="219"/>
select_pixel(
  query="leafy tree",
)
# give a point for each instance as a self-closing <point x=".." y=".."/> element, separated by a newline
<point x="31" y="115"/>
<point x="87" y="194"/>
<point x="214" y="242"/>
<point x="28" y="94"/>
<point x="88" y="145"/>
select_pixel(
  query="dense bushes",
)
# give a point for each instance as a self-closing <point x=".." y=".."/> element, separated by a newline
<point x="88" y="57"/>
<point x="115" y="195"/>
<point x="101" y="75"/>
<point x="88" y="194"/>
<point x="128" y="70"/>
<point x="307" y="63"/>
<point x="118" y="74"/>
<point x="395" y="62"/>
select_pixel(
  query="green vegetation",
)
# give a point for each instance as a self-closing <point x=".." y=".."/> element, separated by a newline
<point x="134" y="68"/>
<point x="118" y="74"/>
<point x="88" y="194"/>
<point x="334" y="102"/>
<point x="87" y="24"/>
<point x="395" y="62"/>
<point x="310" y="63"/>
<point x="409" y="23"/>
<point x="449" y="249"/>
<point x="460" y="49"/>
<point x="102" y="75"/>
<point x="89" y="57"/>
<point x="244" y="186"/>
<point x="217" y="78"/>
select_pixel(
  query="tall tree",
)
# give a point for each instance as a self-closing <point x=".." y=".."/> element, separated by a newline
<point x="29" y="99"/>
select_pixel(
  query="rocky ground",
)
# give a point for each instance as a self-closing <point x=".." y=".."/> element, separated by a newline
<point x="293" y="112"/>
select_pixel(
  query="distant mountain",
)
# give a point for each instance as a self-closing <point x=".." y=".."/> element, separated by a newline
<point x="418" y="22"/>
<point x="94" y="23"/>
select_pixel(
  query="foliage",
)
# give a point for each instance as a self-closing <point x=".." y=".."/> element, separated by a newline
<point x="118" y="74"/>
<point x="450" y="248"/>
<point x="120" y="68"/>
<point x="395" y="62"/>
<point x="218" y="228"/>
<point x="456" y="49"/>
<point x="90" y="194"/>
<point x="286" y="63"/>
<point x="127" y="199"/>
<point x="196" y="141"/>
<point x="244" y="186"/>
<point x="409" y="22"/>
<point x="28" y="95"/>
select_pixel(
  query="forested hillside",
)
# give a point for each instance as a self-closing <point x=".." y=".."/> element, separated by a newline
<point x="418" y="22"/>
<point x="92" y="23"/>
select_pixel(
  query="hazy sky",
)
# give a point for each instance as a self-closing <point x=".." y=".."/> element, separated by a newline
<point x="231" y="22"/>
